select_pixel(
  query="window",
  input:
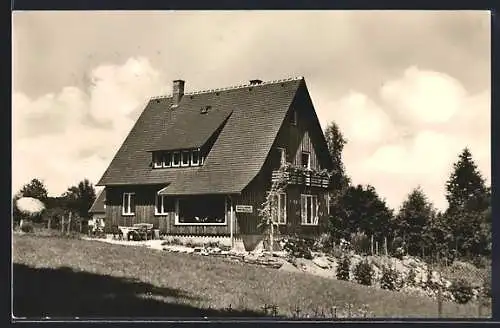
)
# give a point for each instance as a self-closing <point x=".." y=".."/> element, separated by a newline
<point x="128" y="205"/>
<point x="306" y="160"/>
<point x="176" y="159"/>
<point x="185" y="158"/>
<point x="309" y="209"/>
<point x="201" y="210"/>
<point x="195" y="157"/>
<point x="164" y="205"/>
<point x="293" y="117"/>
<point x="156" y="160"/>
<point x="279" y="203"/>
<point x="167" y="159"/>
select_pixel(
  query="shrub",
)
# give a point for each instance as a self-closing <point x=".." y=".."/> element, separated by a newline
<point x="462" y="291"/>
<point x="343" y="268"/>
<point x="360" y="243"/>
<point x="389" y="279"/>
<point x="363" y="273"/>
<point x="323" y="243"/>
<point x="298" y="247"/>
<point x="411" y="279"/>
<point x="486" y="288"/>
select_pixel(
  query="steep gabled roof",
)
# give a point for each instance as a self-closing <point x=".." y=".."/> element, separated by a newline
<point x="257" y="113"/>
<point x="98" y="205"/>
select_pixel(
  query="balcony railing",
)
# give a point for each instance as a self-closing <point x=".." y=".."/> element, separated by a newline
<point x="311" y="179"/>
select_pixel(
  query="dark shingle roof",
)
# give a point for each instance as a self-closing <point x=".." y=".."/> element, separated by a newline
<point x="191" y="128"/>
<point x="98" y="205"/>
<point x="237" y="155"/>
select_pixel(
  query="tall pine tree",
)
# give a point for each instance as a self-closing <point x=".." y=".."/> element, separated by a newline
<point x="468" y="202"/>
<point x="466" y="188"/>
<point x="414" y="216"/>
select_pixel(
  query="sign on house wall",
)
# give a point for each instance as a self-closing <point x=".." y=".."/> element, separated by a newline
<point x="244" y="209"/>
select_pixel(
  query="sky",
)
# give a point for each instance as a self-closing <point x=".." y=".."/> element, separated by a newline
<point x="408" y="89"/>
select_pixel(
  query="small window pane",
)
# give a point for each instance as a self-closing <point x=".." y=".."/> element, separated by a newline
<point x="176" y="159"/>
<point x="185" y="158"/>
<point x="195" y="157"/>
<point x="167" y="159"/>
<point x="132" y="203"/>
<point x="305" y="160"/>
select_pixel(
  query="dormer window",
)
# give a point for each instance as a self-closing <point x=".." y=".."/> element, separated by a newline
<point x="185" y="158"/>
<point x="176" y="160"/>
<point x="195" y="157"/>
<point x="167" y="159"/>
<point x="157" y="160"/>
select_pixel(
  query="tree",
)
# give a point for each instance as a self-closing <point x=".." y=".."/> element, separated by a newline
<point x="80" y="198"/>
<point x="336" y="142"/>
<point x="466" y="188"/>
<point x="412" y="220"/>
<point x="35" y="189"/>
<point x="361" y="210"/>
<point x="468" y="201"/>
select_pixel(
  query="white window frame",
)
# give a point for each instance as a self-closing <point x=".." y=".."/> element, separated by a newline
<point x="314" y="203"/>
<point x="162" y="205"/>
<point x="308" y="159"/>
<point x="280" y="215"/>
<point x="177" y="223"/>
<point x="163" y="157"/>
<point x="180" y="159"/>
<point x="129" y="211"/>
<point x="157" y="160"/>
<point x="193" y="163"/>
<point x="188" y="158"/>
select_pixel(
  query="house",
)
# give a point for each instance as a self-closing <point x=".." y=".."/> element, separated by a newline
<point x="98" y="210"/>
<point x="201" y="163"/>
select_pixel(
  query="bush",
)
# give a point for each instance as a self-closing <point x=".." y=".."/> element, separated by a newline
<point x="389" y="279"/>
<point x="27" y="226"/>
<point x="360" y="243"/>
<point x="462" y="291"/>
<point x="411" y="279"/>
<point x="323" y="243"/>
<point x="298" y="247"/>
<point x="343" y="268"/>
<point x="363" y="273"/>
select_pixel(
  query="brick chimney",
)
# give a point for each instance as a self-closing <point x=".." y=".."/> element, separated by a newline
<point x="178" y="92"/>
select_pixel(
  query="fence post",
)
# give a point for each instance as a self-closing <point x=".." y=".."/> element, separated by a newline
<point x="69" y="223"/>
<point x="62" y="223"/>
<point x="385" y="245"/>
<point x="48" y="223"/>
<point x="371" y="245"/>
<point x="376" y="247"/>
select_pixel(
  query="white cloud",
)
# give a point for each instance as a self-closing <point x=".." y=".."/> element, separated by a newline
<point x="55" y="137"/>
<point x="437" y="119"/>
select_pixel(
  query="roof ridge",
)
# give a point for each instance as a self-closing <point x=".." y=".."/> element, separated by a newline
<point x="233" y="87"/>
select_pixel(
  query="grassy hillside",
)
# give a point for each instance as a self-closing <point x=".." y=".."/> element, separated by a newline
<point x="69" y="277"/>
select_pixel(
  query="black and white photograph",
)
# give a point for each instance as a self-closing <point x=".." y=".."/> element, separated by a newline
<point x="251" y="164"/>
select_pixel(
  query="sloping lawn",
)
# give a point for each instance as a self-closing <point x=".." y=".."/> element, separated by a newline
<point x="60" y="277"/>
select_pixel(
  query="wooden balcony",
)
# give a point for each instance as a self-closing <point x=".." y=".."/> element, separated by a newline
<point x="309" y="179"/>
